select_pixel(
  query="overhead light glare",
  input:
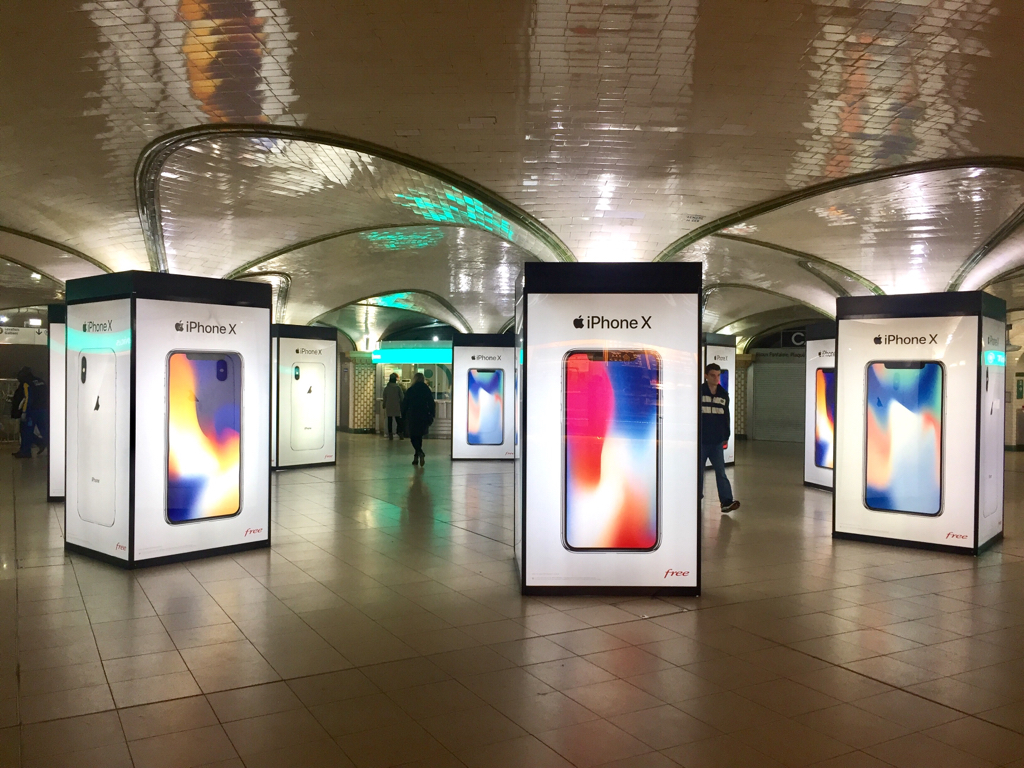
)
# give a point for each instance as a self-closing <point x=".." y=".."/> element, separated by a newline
<point x="35" y="322"/>
<point x="435" y="338"/>
<point x="36" y="276"/>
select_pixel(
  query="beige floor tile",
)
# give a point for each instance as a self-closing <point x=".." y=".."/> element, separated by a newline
<point x="791" y="743"/>
<point x="533" y="650"/>
<point x="276" y="731"/>
<point x="392" y="745"/>
<point x="614" y="697"/>
<point x="364" y="713"/>
<point x="569" y="673"/>
<point x="674" y="685"/>
<point x="728" y="712"/>
<point x="70" y="735"/>
<point x="664" y="727"/>
<point x="908" y="710"/>
<point x="471" y="728"/>
<point x="720" y="752"/>
<point x="787" y="697"/>
<point x="853" y="726"/>
<point x="981" y="739"/>
<point x="443" y="697"/>
<point x="253" y="701"/>
<point x="592" y="743"/>
<point x="514" y="753"/>
<point x="61" y="704"/>
<point x="51" y="679"/>
<point x="471" y="661"/>
<point x="404" y="673"/>
<point x="314" y="754"/>
<point x="107" y="756"/>
<point x="919" y="750"/>
<point x="166" y="717"/>
<point x="186" y="749"/>
<point x="332" y="686"/>
<point x="585" y="641"/>
<point x="148" y="665"/>
<point x="234" y="675"/>
<point x="146" y="690"/>
<point x="841" y="684"/>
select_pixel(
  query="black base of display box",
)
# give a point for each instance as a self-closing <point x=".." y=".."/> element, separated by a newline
<point x="306" y="466"/>
<point x="51" y="499"/>
<point x="919" y="544"/>
<point x="612" y="591"/>
<point x="820" y="487"/>
<point x="169" y="559"/>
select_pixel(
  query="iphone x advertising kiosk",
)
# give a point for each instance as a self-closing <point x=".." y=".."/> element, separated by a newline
<point x="820" y="404"/>
<point x="919" y="419"/>
<point x="305" y="395"/>
<point x="607" y="487"/>
<point x="720" y="349"/>
<point x="56" y="317"/>
<point x="168" y="417"/>
<point x="483" y="412"/>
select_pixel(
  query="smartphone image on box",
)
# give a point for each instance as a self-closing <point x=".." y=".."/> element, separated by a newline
<point x="824" y="417"/>
<point x="485" y="414"/>
<point x="204" y="431"/>
<point x="307" y="432"/>
<point x="97" y="424"/>
<point x="903" y="446"/>
<point x="612" y="445"/>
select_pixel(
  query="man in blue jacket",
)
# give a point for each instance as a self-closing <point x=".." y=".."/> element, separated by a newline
<point x="31" y="404"/>
<point x="715" y="433"/>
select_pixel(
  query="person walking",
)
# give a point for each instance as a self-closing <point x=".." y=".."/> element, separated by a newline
<point x="715" y="433"/>
<point x="418" y="412"/>
<point x="31" y="404"/>
<point x="393" y="396"/>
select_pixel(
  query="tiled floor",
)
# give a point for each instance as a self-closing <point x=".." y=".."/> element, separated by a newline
<point x="385" y="628"/>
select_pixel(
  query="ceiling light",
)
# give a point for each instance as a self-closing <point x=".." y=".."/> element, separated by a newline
<point x="35" y="322"/>
<point x="3" y="318"/>
<point x="435" y="338"/>
<point x="36" y="276"/>
<point x="976" y="172"/>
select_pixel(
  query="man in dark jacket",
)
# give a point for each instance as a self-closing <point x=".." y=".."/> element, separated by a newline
<point x="715" y="433"/>
<point x="31" y="403"/>
<point x="418" y="413"/>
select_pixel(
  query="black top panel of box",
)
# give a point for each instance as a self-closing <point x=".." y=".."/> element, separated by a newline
<point x="280" y="330"/>
<point x="56" y="313"/>
<point x="950" y="304"/>
<point x="484" y="340"/>
<point x="719" y="340"/>
<point x="826" y="329"/>
<point x="167" y="287"/>
<point x="662" y="277"/>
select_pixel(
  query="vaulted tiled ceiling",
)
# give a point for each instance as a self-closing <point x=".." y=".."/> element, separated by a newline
<point x="343" y="151"/>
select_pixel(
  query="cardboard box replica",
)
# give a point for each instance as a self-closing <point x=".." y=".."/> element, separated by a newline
<point x="820" y="405"/>
<point x="168" y="417"/>
<point x="606" y="481"/>
<point x="305" y="395"/>
<point x="483" y="388"/>
<point x="919" y="419"/>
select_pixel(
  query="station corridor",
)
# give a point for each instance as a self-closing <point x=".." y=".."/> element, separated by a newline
<point x="384" y="627"/>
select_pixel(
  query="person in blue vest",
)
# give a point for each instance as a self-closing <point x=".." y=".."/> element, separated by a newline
<point x="31" y="404"/>
<point x="715" y="433"/>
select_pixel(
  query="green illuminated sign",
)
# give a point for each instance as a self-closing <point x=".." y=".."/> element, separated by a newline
<point x="455" y="207"/>
<point x="994" y="357"/>
<point x="413" y="355"/>
<point x="410" y="239"/>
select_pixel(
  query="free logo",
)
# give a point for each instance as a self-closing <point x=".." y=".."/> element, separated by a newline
<point x="612" y="323"/>
<point x="952" y="535"/>
<point x="94" y="327"/>
<point x="194" y="326"/>
<point x="252" y="532"/>
<point x="119" y="547"/>
<point x="895" y="338"/>
<point x="670" y="572"/>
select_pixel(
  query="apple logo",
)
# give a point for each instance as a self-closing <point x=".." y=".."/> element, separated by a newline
<point x="878" y="339"/>
<point x="179" y="326"/>
<point x="578" y="322"/>
<point x="85" y="327"/>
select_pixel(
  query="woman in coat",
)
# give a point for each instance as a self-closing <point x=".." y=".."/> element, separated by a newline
<point x="393" y="395"/>
<point x="418" y="412"/>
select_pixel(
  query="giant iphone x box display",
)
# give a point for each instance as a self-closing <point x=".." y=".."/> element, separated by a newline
<point x="168" y="416"/>
<point x="919" y="419"/>
<point x="305" y="395"/>
<point x="483" y="390"/>
<point x="56" y="317"/>
<point x="820" y="404"/>
<point x="609" y="427"/>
